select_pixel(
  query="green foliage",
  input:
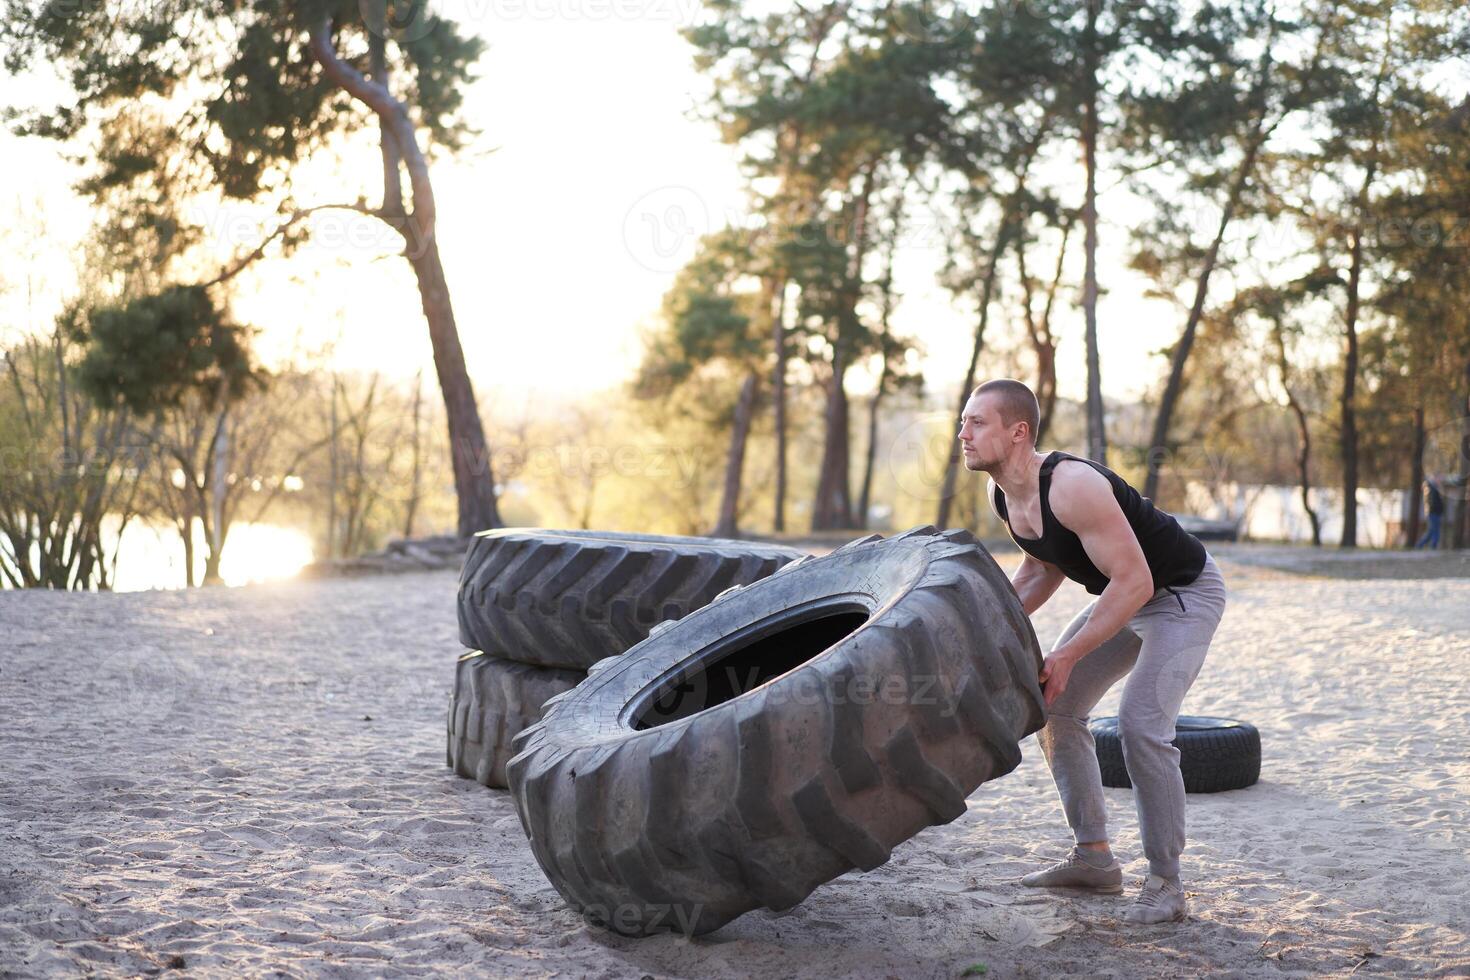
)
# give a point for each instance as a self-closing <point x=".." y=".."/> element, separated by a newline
<point x="709" y="317"/>
<point x="249" y="100"/>
<point x="150" y="352"/>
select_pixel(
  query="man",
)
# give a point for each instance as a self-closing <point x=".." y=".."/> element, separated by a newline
<point x="1436" y="512"/>
<point x="1159" y="598"/>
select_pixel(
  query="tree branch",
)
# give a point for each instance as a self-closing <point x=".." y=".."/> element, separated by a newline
<point x="239" y="265"/>
<point x="393" y="115"/>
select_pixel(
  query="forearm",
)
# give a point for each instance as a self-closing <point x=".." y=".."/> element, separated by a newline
<point x="1117" y="604"/>
<point x="1034" y="589"/>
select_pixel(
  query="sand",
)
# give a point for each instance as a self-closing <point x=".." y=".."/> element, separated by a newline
<point x="252" y="780"/>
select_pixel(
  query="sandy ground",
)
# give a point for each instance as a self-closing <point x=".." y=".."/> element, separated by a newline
<point x="253" y="781"/>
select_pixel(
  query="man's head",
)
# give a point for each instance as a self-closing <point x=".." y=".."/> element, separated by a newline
<point x="1000" y="419"/>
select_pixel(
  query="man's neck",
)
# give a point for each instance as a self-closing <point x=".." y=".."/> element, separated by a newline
<point x="1019" y="476"/>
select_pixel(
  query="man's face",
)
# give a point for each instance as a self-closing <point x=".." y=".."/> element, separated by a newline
<point x="984" y="438"/>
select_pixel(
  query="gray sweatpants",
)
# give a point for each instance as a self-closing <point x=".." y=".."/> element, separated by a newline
<point x="1164" y="646"/>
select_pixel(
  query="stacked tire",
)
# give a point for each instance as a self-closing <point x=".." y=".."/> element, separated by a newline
<point x="781" y="735"/>
<point x="537" y="608"/>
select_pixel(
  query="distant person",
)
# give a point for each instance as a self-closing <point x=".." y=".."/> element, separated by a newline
<point x="1159" y="598"/>
<point x="1434" y="490"/>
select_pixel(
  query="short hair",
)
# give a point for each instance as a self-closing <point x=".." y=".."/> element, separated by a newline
<point x="1017" y="403"/>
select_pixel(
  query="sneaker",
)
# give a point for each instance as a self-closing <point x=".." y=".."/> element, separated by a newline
<point x="1075" y="872"/>
<point x="1160" y="901"/>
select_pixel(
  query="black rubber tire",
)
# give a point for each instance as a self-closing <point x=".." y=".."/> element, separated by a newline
<point x="492" y="701"/>
<point x="1215" y="754"/>
<point x="841" y="746"/>
<point x="571" y="598"/>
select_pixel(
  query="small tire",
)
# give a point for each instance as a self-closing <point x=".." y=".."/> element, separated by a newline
<point x="571" y="598"/>
<point x="767" y="743"/>
<point x="492" y="701"/>
<point x="1215" y="754"/>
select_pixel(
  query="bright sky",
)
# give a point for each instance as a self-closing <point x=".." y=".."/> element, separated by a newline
<point x="561" y="242"/>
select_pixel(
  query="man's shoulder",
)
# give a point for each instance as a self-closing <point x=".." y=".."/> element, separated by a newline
<point x="1078" y="489"/>
<point x="1072" y="474"/>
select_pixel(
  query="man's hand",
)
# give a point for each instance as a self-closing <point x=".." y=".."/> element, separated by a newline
<point x="1055" y="670"/>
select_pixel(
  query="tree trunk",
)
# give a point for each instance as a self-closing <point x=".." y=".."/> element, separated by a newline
<point x="1097" y="439"/>
<point x="1159" y="446"/>
<point x="885" y="332"/>
<point x="1416" y="481"/>
<point x="1461" y="536"/>
<point x="866" y="497"/>
<point x="1304" y="432"/>
<point x="952" y="466"/>
<point x="778" y="396"/>
<point x="1304" y="469"/>
<point x="833" y="506"/>
<point x="416" y="476"/>
<point x="219" y="484"/>
<point x="727" y="526"/>
<point x="1043" y="341"/>
<point x="378" y="72"/>
<point x="334" y="477"/>
<point x="1347" y="400"/>
<point x="186" y="534"/>
<point x="474" y="480"/>
<point x="1349" y="430"/>
<point x="1159" y="441"/>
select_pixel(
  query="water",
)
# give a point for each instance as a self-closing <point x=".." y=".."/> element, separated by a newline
<point x="1275" y="512"/>
<point x="151" y="555"/>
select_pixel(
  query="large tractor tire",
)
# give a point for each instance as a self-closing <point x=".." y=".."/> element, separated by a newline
<point x="781" y="736"/>
<point x="571" y="598"/>
<point x="493" y="700"/>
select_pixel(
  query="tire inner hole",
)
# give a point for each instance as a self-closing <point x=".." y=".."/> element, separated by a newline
<point x="746" y="666"/>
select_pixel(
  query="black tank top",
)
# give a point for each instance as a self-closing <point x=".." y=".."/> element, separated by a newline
<point x="1174" y="556"/>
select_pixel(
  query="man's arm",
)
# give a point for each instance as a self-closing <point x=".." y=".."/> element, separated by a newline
<point x="1035" y="582"/>
<point x="1082" y="500"/>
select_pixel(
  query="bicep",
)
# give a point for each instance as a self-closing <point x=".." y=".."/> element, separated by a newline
<point x="1035" y="568"/>
<point x="1092" y="513"/>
